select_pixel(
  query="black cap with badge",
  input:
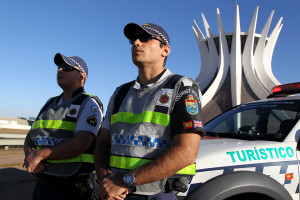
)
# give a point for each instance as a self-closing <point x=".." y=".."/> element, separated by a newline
<point x="73" y="61"/>
<point x="132" y="29"/>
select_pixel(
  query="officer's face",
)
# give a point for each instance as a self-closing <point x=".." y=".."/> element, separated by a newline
<point x="68" y="78"/>
<point x="146" y="51"/>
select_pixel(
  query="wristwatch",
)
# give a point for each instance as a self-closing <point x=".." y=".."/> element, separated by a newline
<point x="129" y="181"/>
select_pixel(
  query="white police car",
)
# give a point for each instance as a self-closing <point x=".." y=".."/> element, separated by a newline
<point x="251" y="151"/>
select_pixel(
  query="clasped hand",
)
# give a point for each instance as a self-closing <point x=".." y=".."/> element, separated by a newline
<point x="112" y="187"/>
<point x="34" y="163"/>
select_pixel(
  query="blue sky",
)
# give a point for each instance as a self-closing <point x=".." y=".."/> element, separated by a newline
<point x="33" y="31"/>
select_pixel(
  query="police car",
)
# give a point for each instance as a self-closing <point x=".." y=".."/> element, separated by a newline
<point x="251" y="151"/>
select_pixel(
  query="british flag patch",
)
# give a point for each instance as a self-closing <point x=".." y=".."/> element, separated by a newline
<point x="197" y="124"/>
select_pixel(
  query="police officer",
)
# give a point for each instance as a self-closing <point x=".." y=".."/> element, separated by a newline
<point x="152" y="129"/>
<point x="60" y="145"/>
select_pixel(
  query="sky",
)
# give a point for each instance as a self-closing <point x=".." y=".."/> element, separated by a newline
<point x="33" y="31"/>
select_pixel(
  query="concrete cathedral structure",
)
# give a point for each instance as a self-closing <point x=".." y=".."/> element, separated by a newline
<point x="235" y="67"/>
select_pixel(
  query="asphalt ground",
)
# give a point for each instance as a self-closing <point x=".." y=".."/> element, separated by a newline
<point x="15" y="182"/>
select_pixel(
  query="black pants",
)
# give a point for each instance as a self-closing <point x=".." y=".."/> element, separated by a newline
<point x="78" y="189"/>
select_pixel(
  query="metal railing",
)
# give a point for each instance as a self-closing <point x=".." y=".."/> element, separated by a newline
<point x="11" y="139"/>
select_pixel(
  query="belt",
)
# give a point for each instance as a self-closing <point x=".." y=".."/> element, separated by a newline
<point x="63" y="182"/>
<point x="133" y="196"/>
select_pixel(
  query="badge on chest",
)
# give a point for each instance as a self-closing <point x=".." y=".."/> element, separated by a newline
<point x="73" y="111"/>
<point x="164" y="97"/>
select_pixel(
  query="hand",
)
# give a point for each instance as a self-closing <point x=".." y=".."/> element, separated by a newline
<point x="112" y="187"/>
<point x="34" y="163"/>
<point x="40" y="167"/>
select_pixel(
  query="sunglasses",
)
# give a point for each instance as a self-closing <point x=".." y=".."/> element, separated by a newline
<point x="145" y="38"/>
<point x="67" y="68"/>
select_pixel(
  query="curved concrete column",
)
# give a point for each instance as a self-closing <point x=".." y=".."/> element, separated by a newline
<point x="236" y="60"/>
<point x="259" y="57"/>
<point x="248" y="62"/>
<point x="253" y="61"/>
<point x="213" y="65"/>
<point x="223" y="64"/>
<point x="203" y="54"/>
<point x="268" y="53"/>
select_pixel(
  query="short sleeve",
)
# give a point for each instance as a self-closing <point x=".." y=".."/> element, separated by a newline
<point x="90" y="118"/>
<point x="186" y="116"/>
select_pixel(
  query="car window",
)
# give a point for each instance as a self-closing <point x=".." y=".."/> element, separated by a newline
<point x="270" y="120"/>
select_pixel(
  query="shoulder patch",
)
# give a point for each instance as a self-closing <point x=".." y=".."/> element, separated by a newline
<point x="95" y="110"/>
<point x="188" y="124"/>
<point x="92" y="120"/>
<point x="191" y="105"/>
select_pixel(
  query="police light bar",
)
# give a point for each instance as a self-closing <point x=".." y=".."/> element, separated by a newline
<point x="285" y="90"/>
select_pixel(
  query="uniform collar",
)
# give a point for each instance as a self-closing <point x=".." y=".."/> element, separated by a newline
<point x="76" y="92"/>
<point x="137" y="84"/>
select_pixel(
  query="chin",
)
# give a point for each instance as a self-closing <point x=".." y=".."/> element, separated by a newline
<point x="136" y="62"/>
<point x="60" y="83"/>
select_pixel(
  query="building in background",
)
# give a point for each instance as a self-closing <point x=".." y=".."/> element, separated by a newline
<point x="235" y="67"/>
<point x="14" y="125"/>
<point x="13" y="131"/>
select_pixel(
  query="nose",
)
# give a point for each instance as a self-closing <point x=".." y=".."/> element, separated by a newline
<point x="60" y="70"/>
<point x="136" y="42"/>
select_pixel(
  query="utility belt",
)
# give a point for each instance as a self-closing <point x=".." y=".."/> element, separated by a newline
<point x="133" y="196"/>
<point x="177" y="183"/>
<point x="74" y="181"/>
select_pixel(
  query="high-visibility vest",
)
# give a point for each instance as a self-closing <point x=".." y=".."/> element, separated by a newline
<point x="54" y="125"/>
<point x="140" y="128"/>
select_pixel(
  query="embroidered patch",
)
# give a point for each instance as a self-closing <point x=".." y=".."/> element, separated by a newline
<point x="191" y="105"/>
<point x="197" y="124"/>
<point x="73" y="111"/>
<point x="95" y="110"/>
<point x="187" y="124"/>
<point x="92" y="120"/>
<point x="164" y="97"/>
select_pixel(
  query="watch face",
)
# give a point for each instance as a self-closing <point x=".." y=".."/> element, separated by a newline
<point x="128" y="179"/>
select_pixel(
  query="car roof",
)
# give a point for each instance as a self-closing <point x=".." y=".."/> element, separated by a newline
<point x="288" y="98"/>
<point x="296" y="97"/>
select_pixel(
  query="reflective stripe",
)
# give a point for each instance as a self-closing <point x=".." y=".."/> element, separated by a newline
<point x="132" y="163"/>
<point x="54" y="124"/>
<point x="188" y="170"/>
<point x="147" y="116"/>
<point x="87" y="158"/>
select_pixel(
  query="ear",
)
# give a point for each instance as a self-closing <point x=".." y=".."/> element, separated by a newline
<point x="82" y="76"/>
<point x="166" y="50"/>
